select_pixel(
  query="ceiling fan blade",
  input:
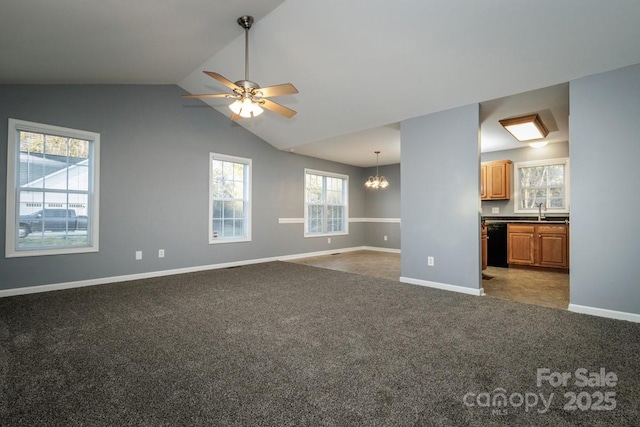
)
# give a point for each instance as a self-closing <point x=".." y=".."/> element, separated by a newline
<point x="235" y="116"/>
<point x="277" y="90"/>
<point x="277" y="108"/>
<point x="228" y="83"/>
<point x="209" y="95"/>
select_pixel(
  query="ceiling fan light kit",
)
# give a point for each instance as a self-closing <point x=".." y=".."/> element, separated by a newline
<point x="375" y="182"/>
<point x="250" y="98"/>
<point x="525" y="128"/>
<point x="246" y="108"/>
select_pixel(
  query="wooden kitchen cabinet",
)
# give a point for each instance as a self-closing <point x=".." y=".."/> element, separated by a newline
<point x="520" y="244"/>
<point x="539" y="245"/>
<point x="495" y="180"/>
<point x="554" y="245"/>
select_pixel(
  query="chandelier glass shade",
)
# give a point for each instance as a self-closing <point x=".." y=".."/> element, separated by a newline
<point x="377" y="181"/>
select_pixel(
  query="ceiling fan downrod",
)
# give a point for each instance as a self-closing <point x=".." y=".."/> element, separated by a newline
<point x="246" y="22"/>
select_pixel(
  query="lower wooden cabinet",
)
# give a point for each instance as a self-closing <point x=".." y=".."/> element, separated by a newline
<point x="540" y="245"/>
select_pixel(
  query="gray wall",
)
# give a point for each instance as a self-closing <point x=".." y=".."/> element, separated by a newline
<point x="440" y="197"/>
<point x="605" y="150"/>
<point x="524" y="154"/>
<point x="383" y="204"/>
<point x="154" y="183"/>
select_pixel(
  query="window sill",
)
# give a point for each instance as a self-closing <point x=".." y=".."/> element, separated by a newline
<point x="220" y="241"/>
<point x="325" y="234"/>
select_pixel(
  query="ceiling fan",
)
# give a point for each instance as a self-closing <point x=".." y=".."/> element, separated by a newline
<point x="250" y="98"/>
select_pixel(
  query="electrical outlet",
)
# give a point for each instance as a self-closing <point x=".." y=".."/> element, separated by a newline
<point x="138" y="255"/>
<point x="329" y="240"/>
<point x="430" y="261"/>
<point x="495" y="210"/>
<point x="385" y="238"/>
<point x="160" y="253"/>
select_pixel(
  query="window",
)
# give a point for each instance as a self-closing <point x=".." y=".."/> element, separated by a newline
<point x="326" y="207"/>
<point x="543" y="181"/>
<point x="230" y="196"/>
<point x="52" y="190"/>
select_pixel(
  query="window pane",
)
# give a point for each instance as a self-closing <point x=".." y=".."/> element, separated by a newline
<point x="239" y="228"/>
<point x="217" y="209"/>
<point x="238" y="208"/>
<point x="56" y="147"/>
<point x="238" y="190"/>
<point x="227" y="230"/>
<point x="51" y="222"/>
<point x="228" y="210"/>
<point x="217" y="228"/>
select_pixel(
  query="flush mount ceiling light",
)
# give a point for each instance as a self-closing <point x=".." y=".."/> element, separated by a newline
<point x="376" y="182"/>
<point x="525" y="128"/>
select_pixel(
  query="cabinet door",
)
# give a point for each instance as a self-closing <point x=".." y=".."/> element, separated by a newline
<point x="520" y="244"/>
<point x="495" y="180"/>
<point x="498" y="181"/>
<point x="552" y="250"/>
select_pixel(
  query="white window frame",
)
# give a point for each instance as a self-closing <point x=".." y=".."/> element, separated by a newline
<point x="247" y="198"/>
<point x="345" y="195"/>
<point x="546" y="162"/>
<point x="13" y="170"/>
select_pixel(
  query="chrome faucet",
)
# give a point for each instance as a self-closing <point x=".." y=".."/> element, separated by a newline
<point x="540" y="214"/>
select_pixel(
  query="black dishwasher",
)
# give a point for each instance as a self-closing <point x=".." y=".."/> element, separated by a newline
<point x="497" y="244"/>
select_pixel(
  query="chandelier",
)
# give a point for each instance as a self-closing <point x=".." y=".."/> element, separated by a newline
<point x="377" y="181"/>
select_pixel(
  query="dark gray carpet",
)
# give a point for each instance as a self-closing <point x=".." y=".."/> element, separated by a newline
<point x="284" y="344"/>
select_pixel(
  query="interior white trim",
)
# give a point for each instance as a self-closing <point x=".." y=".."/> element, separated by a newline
<point x="388" y="220"/>
<point x="301" y="220"/>
<point x="375" y="248"/>
<point x="443" y="286"/>
<point x="290" y="220"/>
<point x="603" y="312"/>
<point x="124" y="278"/>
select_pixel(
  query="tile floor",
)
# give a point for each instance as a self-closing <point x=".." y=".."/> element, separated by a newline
<point x="539" y="287"/>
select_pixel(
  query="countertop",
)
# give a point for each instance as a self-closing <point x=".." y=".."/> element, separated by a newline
<point x="521" y="219"/>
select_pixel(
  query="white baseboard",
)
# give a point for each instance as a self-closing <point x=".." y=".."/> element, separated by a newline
<point x="603" y="312"/>
<point x="318" y="253"/>
<point x="444" y="286"/>
<point x="151" y="274"/>
<point x="375" y="248"/>
<point x="125" y="278"/>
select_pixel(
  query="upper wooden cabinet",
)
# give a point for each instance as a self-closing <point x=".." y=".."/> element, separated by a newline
<point x="495" y="180"/>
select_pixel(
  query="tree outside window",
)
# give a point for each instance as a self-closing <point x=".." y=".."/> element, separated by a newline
<point x="543" y="182"/>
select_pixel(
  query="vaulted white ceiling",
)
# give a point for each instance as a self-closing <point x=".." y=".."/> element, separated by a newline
<point x="359" y="64"/>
